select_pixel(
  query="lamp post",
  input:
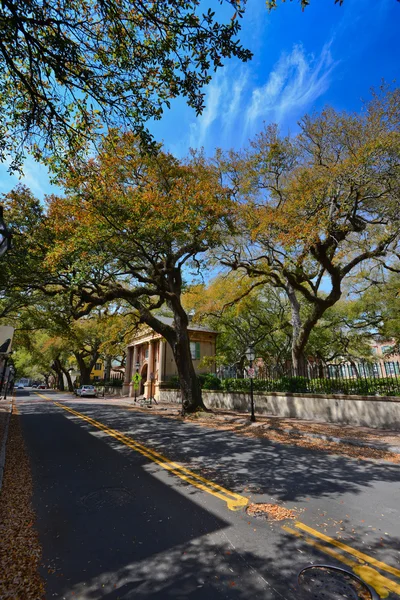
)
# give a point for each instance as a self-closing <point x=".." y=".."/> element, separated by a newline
<point x="250" y="355"/>
<point x="5" y="235"/>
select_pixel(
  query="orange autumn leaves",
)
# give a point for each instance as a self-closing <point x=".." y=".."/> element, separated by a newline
<point x="123" y="199"/>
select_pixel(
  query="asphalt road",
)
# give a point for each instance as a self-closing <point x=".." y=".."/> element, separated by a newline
<point x="116" y="523"/>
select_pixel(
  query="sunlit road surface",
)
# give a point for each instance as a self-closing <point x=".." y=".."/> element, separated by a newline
<point x="132" y="505"/>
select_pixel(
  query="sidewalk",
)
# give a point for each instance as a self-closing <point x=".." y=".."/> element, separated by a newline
<point x="358" y="442"/>
<point x="5" y="410"/>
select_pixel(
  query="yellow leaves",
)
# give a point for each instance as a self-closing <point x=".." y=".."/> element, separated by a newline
<point x="222" y="291"/>
<point x="123" y="194"/>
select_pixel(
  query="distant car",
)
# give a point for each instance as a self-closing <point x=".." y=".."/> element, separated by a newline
<point x="77" y="391"/>
<point x="87" y="391"/>
<point x="34" y="387"/>
<point x="19" y="386"/>
<point x="41" y="387"/>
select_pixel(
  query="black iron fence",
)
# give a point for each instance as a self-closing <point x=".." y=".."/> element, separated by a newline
<point x="367" y="379"/>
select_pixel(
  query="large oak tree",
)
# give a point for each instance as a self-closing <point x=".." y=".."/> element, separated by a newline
<point x="131" y="227"/>
<point x="316" y="208"/>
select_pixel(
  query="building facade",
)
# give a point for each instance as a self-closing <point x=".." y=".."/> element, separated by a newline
<point x="150" y="356"/>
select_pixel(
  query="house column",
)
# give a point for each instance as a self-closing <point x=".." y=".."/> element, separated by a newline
<point x="161" y="355"/>
<point x="135" y="359"/>
<point x="133" y="369"/>
<point x="135" y="350"/>
<point x="150" y="370"/>
<point x="128" y="371"/>
<point x="160" y="373"/>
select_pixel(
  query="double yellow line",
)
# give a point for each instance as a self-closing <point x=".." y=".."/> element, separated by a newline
<point x="340" y="551"/>
<point x="358" y="561"/>
<point x="233" y="501"/>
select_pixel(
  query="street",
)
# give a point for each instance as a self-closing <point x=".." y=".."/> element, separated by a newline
<point x="134" y="505"/>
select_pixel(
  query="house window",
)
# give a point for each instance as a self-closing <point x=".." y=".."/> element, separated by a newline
<point x="146" y="352"/>
<point x="391" y="368"/>
<point x="195" y="350"/>
<point x="97" y="367"/>
<point x="386" y="349"/>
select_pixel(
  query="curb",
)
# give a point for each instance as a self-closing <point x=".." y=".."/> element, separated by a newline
<point x="338" y="440"/>
<point x="3" y="445"/>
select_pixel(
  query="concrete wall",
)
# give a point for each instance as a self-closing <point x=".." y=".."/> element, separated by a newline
<point x="369" y="411"/>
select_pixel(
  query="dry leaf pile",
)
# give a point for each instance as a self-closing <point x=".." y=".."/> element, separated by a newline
<point x="19" y="548"/>
<point x="271" y="511"/>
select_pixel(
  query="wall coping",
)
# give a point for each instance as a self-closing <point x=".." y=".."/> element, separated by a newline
<point x="302" y="395"/>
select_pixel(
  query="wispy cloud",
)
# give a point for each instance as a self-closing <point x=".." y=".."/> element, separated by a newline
<point x="223" y="107"/>
<point x="199" y="129"/>
<point x="233" y="102"/>
<point x="35" y="177"/>
<point x="296" y="82"/>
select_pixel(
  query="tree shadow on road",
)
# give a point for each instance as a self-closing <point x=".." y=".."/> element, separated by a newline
<point x="288" y="473"/>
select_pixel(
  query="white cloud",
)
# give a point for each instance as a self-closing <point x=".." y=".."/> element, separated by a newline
<point x="199" y="129"/>
<point x="35" y="177"/>
<point x="233" y="101"/>
<point x="223" y="107"/>
<point x="296" y="82"/>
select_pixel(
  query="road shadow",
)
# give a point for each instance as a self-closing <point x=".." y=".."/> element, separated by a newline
<point x="110" y="529"/>
<point x="288" y="473"/>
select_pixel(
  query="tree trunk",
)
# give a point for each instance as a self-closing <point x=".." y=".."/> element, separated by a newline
<point x="69" y="380"/>
<point x="192" y="400"/>
<point x="107" y="368"/>
<point x="298" y="343"/>
<point x="59" y="373"/>
<point x="60" y="381"/>
<point x="84" y="370"/>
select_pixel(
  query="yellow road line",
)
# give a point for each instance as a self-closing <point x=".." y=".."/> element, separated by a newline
<point x="349" y="549"/>
<point x="383" y="585"/>
<point x="234" y="501"/>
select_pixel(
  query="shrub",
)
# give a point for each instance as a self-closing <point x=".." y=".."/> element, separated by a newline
<point x="210" y="381"/>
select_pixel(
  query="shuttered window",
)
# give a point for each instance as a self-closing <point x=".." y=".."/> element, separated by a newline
<point x="195" y="350"/>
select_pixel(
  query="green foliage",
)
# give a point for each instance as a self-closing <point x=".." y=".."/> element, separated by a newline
<point x="208" y="381"/>
<point x="318" y="206"/>
<point x="68" y="67"/>
<point x="108" y="383"/>
<point x="371" y="386"/>
<point x="272" y="4"/>
<point x="243" y="311"/>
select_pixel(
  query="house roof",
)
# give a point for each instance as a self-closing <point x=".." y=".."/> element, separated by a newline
<point x="191" y="327"/>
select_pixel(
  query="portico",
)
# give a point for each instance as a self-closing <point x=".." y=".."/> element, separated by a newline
<point x="151" y="356"/>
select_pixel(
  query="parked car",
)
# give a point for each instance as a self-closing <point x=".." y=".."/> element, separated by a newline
<point x="34" y="386"/>
<point x="87" y="391"/>
<point x="77" y="391"/>
<point x="19" y="386"/>
<point x="41" y="387"/>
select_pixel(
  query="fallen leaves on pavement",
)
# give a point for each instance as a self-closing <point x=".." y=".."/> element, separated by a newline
<point x="20" y="551"/>
<point x="266" y="427"/>
<point x="271" y="511"/>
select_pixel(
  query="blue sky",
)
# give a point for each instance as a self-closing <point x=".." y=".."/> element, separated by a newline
<point x="302" y="61"/>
